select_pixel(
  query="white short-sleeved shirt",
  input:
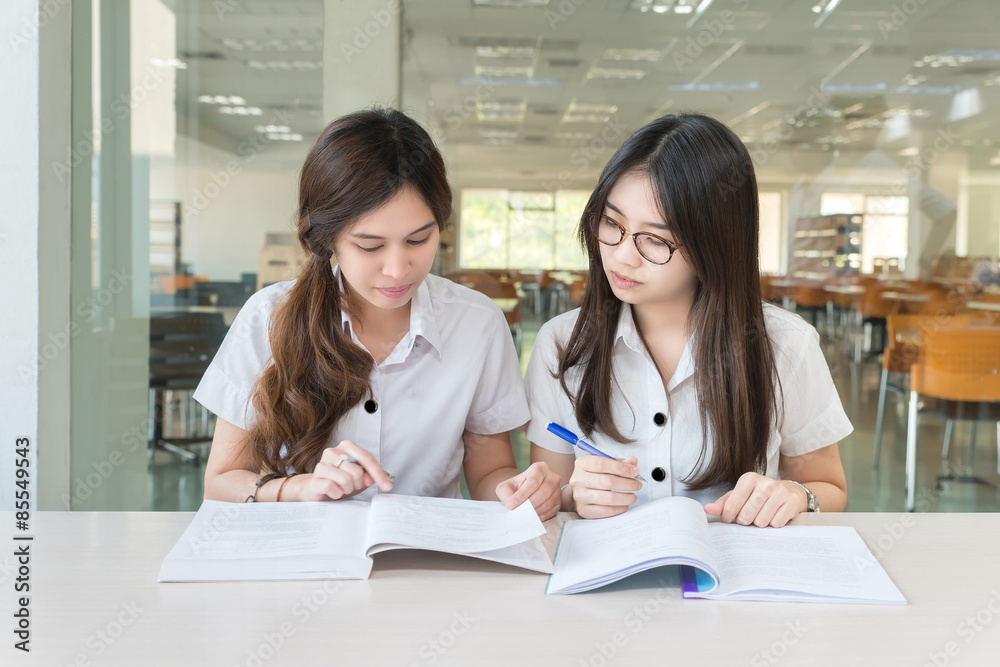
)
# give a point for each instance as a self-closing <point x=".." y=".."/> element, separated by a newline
<point x="456" y="369"/>
<point x="813" y="414"/>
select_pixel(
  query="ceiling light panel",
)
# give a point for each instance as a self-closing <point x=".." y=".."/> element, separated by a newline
<point x="666" y="6"/>
<point x="634" y="55"/>
<point x="588" y="113"/>
<point x="501" y="111"/>
<point x="273" y="44"/>
<point x="285" y="65"/>
<point x="615" y="73"/>
<point x="515" y="4"/>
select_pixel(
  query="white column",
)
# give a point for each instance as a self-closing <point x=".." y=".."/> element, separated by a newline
<point x="110" y="268"/>
<point x="361" y="55"/>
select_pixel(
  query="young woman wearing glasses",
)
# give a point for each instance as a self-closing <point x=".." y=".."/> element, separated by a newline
<point x="325" y="382"/>
<point x="672" y="364"/>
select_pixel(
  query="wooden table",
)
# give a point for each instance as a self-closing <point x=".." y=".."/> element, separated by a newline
<point x="95" y="601"/>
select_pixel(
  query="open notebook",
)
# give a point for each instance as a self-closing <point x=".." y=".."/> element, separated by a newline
<point x="721" y="561"/>
<point x="335" y="540"/>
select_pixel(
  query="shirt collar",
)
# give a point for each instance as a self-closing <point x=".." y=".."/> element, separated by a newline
<point x="422" y="320"/>
<point x="628" y="333"/>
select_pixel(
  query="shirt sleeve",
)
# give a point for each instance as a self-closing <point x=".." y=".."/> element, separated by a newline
<point x="499" y="404"/>
<point x="227" y="385"/>
<point x="546" y="399"/>
<point x="812" y="414"/>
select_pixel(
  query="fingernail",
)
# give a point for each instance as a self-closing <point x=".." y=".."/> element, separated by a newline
<point x="634" y="471"/>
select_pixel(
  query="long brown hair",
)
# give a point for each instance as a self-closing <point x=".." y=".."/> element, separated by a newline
<point x="359" y="163"/>
<point x="706" y="189"/>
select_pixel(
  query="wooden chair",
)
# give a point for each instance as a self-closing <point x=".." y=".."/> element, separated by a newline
<point x="576" y="292"/>
<point x="554" y="293"/>
<point x="810" y="298"/>
<point x="768" y="292"/>
<point x="961" y="368"/>
<point x="872" y="313"/>
<point x="181" y="346"/>
<point x="900" y="355"/>
<point x="944" y="301"/>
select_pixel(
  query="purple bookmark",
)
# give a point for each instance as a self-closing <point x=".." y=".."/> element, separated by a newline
<point x="689" y="581"/>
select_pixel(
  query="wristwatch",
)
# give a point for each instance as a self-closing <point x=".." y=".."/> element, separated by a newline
<point x="812" y="502"/>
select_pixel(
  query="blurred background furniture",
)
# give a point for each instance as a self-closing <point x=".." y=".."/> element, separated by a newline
<point x="181" y="346"/>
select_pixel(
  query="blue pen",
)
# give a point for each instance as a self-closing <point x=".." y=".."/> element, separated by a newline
<point x="573" y="439"/>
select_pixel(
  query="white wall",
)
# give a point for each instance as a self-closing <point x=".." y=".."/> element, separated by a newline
<point x="230" y="202"/>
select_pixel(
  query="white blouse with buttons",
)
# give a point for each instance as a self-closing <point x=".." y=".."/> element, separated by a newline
<point x="665" y="425"/>
<point x="455" y="370"/>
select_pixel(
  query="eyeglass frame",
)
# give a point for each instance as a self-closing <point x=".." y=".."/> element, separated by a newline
<point x="674" y="247"/>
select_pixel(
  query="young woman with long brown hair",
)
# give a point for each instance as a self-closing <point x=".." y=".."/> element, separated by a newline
<point x="325" y="382"/>
<point x="672" y="364"/>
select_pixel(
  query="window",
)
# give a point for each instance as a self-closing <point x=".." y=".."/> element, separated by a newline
<point x="770" y="232"/>
<point x="506" y="229"/>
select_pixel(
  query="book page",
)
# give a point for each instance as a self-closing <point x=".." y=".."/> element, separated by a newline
<point x="594" y="552"/>
<point x="826" y="561"/>
<point x="228" y="531"/>
<point x="449" y="524"/>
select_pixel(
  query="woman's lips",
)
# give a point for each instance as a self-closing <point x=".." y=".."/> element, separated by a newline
<point x="394" y="292"/>
<point x="622" y="282"/>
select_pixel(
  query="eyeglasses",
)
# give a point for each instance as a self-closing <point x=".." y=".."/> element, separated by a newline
<point x="653" y="248"/>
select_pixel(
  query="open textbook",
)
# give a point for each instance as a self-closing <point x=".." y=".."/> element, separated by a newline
<point x="721" y="561"/>
<point x="335" y="540"/>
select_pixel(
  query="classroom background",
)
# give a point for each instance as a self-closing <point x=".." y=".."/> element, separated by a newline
<point x="162" y="140"/>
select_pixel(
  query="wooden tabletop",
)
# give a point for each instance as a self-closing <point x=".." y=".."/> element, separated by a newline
<point x="95" y="601"/>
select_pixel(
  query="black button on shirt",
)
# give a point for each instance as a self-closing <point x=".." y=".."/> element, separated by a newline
<point x="659" y="474"/>
<point x="371" y="406"/>
<point x="659" y="419"/>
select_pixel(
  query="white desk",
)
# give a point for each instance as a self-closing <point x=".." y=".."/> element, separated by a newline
<point x="991" y="306"/>
<point x="849" y="290"/>
<point x="909" y="297"/>
<point x="93" y="572"/>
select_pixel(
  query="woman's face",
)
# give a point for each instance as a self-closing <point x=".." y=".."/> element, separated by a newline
<point x="386" y="254"/>
<point x="633" y="279"/>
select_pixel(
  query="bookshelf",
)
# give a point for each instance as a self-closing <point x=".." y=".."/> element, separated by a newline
<point x="826" y="245"/>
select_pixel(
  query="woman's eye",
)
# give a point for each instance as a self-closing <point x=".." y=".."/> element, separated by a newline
<point x="360" y="247"/>
<point x="420" y="241"/>
<point x="659" y="243"/>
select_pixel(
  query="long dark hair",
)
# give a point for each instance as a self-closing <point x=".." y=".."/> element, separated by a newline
<point x="704" y="182"/>
<point x="359" y="163"/>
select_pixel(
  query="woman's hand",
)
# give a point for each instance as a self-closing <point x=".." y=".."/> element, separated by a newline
<point x="334" y="479"/>
<point x="538" y="484"/>
<point x="761" y="501"/>
<point x="604" y="487"/>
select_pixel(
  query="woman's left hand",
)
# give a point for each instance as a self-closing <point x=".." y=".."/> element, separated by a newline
<point x="761" y="501"/>
<point x="538" y="484"/>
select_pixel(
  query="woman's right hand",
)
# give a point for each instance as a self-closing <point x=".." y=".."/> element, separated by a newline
<point x="604" y="487"/>
<point x="330" y="481"/>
